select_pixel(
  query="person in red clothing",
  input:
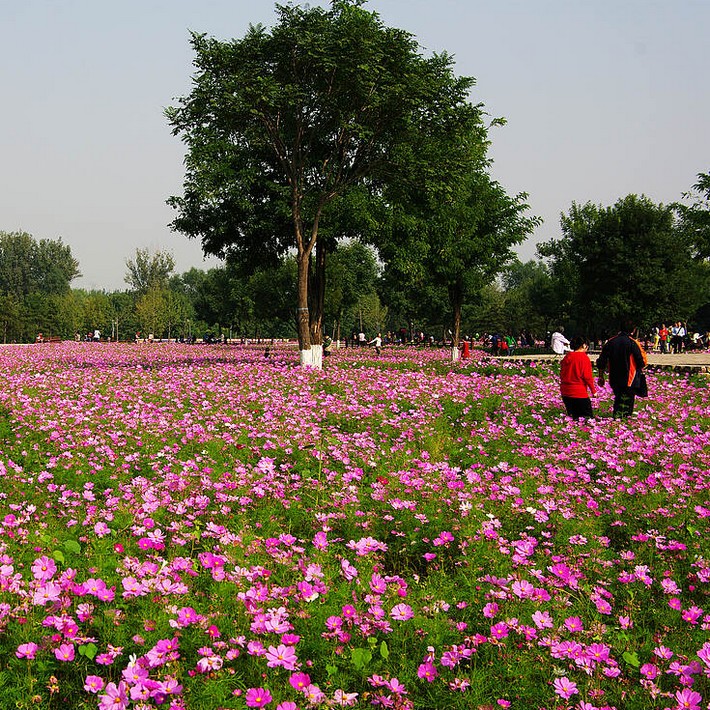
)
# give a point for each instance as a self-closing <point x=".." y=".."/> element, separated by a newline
<point x="577" y="380"/>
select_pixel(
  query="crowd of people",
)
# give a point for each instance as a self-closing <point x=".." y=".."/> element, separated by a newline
<point x="677" y="338"/>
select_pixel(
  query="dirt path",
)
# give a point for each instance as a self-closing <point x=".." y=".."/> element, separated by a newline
<point x="689" y="362"/>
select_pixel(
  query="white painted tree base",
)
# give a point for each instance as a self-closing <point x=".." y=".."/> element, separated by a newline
<point x="312" y="358"/>
<point x="455" y="354"/>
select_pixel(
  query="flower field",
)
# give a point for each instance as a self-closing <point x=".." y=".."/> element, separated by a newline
<point x="201" y="527"/>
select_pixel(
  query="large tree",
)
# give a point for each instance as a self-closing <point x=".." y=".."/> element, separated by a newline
<point x="458" y="241"/>
<point x="29" y="266"/>
<point x="626" y="261"/>
<point x="281" y="124"/>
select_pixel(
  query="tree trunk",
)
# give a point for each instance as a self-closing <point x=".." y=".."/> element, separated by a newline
<point x="317" y="291"/>
<point x="302" y="324"/>
<point x="455" y="352"/>
<point x="456" y="301"/>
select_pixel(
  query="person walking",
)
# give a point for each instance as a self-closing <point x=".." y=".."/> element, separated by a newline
<point x="577" y="380"/>
<point x="558" y="342"/>
<point x="377" y="342"/>
<point x="621" y="356"/>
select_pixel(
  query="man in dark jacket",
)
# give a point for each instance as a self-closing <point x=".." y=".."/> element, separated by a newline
<point x="622" y="357"/>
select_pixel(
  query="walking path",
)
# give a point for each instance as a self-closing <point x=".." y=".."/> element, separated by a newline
<point x="683" y="362"/>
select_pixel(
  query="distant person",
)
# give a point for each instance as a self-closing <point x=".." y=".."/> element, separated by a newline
<point x="361" y="339"/>
<point x="377" y="342"/>
<point x="663" y="336"/>
<point x="97" y="335"/>
<point x="622" y="357"/>
<point x="327" y="346"/>
<point x="577" y="380"/>
<point x="558" y="342"/>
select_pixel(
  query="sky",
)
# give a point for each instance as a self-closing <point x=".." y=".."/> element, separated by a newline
<point x="602" y="99"/>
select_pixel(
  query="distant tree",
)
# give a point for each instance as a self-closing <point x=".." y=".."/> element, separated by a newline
<point x="694" y="218"/>
<point x="352" y="273"/>
<point x="28" y="266"/>
<point x="151" y="310"/>
<point x="281" y="124"/>
<point x="625" y="261"/>
<point x="149" y="270"/>
<point x="96" y="311"/>
<point x="460" y="242"/>
<point x="10" y="316"/>
<point x="55" y="267"/>
<point x="533" y="299"/>
<point x="273" y="291"/>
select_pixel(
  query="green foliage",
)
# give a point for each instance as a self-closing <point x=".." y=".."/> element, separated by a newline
<point x="35" y="278"/>
<point x="694" y="218"/>
<point x="617" y="263"/>
<point x="149" y="271"/>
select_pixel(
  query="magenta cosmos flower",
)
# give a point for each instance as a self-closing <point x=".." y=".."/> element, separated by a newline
<point x="27" y="650"/>
<point x="401" y="612"/>
<point x="257" y="697"/>
<point x="688" y="699"/>
<point x="565" y="688"/>
<point x="427" y="671"/>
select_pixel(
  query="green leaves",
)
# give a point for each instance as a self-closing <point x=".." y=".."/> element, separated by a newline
<point x="631" y="658"/>
<point x="70" y="546"/>
<point x="88" y="650"/>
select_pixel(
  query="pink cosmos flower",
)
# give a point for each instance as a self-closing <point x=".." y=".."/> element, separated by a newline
<point x="281" y="656"/>
<point x="499" y="631"/>
<point x="333" y="623"/>
<point x="300" y="681"/>
<point x="574" y="624"/>
<point x="378" y="584"/>
<point x="46" y="594"/>
<point x="688" y="699"/>
<point x="287" y="705"/>
<point x="186" y="616"/>
<point x="43" y="568"/>
<point x="692" y="614"/>
<point x="27" y="650"/>
<point x="542" y="620"/>
<point x="257" y="697"/>
<point x="648" y="670"/>
<point x="93" y="683"/>
<point x="349" y="571"/>
<point x="65" y="652"/>
<point x="427" y="671"/>
<point x="625" y="622"/>
<point x="490" y="610"/>
<point x="115" y="697"/>
<point x="565" y="688"/>
<point x="401" y="612"/>
<point x="394" y="685"/>
<point x="663" y="652"/>
<point x="343" y="699"/>
<point x="320" y="540"/>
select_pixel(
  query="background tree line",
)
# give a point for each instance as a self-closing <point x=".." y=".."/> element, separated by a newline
<point x="632" y="258"/>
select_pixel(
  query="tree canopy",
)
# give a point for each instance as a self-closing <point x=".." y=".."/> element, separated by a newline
<point x="281" y="123"/>
<point x="28" y="265"/>
<point x="625" y="261"/>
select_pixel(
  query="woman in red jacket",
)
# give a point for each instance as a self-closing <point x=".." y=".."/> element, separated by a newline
<point x="577" y="380"/>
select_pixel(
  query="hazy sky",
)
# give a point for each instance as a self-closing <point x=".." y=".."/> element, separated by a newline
<point x="603" y="98"/>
